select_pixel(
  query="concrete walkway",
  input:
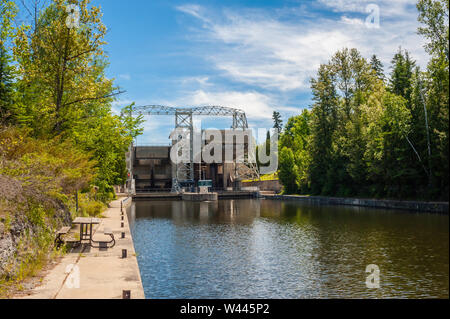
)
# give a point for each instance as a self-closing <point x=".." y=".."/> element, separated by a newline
<point x="91" y="273"/>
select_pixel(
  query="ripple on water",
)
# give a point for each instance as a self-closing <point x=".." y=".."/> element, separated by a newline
<point x="267" y="249"/>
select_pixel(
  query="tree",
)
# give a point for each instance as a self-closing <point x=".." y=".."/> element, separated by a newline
<point x="433" y="14"/>
<point x="63" y="90"/>
<point x="278" y="122"/>
<point x="8" y="12"/>
<point x="323" y="126"/>
<point x="296" y="136"/>
<point x="366" y="137"/>
<point x="288" y="171"/>
<point x="378" y="67"/>
<point x="132" y="124"/>
<point x="401" y="76"/>
<point x="388" y="154"/>
<point x="62" y="68"/>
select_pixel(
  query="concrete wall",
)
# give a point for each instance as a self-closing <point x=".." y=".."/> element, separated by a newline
<point x="152" y="152"/>
<point x="152" y="161"/>
<point x="431" y="207"/>
<point x="273" y="186"/>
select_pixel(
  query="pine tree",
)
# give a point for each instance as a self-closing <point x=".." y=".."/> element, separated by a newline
<point x="323" y="126"/>
<point x="378" y="67"/>
<point x="402" y="75"/>
<point x="278" y="122"/>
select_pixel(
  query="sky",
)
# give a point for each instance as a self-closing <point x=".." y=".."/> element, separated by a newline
<point x="258" y="56"/>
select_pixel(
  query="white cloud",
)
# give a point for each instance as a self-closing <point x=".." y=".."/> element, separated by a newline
<point x="125" y="77"/>
<point x="267" y="59"/>
<point x="194" y="10"/>
<point x="196" y="80"/>
<point x="256" y="105"/>
<point x="346" y="5"/>
<point x="268" y="53"/>
<point x="354" y="21"/>
<point x="387" y="7"/>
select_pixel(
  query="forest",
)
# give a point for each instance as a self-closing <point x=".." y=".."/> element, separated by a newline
<point x="53" y="88"/>
<point x="62" y="146"/>
<point x="371" y="131"/>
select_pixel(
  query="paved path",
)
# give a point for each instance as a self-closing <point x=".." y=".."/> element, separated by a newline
<point x="103" y="274"/>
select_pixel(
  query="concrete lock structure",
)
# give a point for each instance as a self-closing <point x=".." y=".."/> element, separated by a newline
<point x="152" y="169"/>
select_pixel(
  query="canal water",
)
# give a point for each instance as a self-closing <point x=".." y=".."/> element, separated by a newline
<point x="275" y="249"/>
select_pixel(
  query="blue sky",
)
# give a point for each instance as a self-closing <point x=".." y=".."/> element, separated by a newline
<point x="255" y="55"/>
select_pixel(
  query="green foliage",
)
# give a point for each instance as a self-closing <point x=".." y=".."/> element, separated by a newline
<point x="365" y="139"/>
<point x="402" y="75"/>
<point x="58" y="133"/>
<point x="295" y="139"/>
<point x="277" y="121"/>
<point x="62" y="68"/>
<point x="362" y="138"/>
<point x="89" y="207"/>
<point x="323" y="126"/>
<point x="38" y="179"/>
<point x="132" y="124"/>
<point x="8" y="12"/>
<point x="288" y="171"/>
<point x="51" y="166"/>
<point x="61" y="91"/>
<point x="433" y="14"/>
<point x="377" y="67"/>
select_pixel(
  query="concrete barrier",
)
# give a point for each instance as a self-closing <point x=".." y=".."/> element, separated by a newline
<point x="430" y="207"/>
<point x="200" y="197"/>
<point x="272" y="186"/>
<point x="127" y="202"/>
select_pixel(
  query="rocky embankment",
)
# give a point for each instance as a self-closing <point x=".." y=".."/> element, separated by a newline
<point x="28" y="221"/>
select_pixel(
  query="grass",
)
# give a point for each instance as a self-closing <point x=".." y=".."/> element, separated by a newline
<point x="30" y="267"/>
<point x="38" y="179"/>
<point x="268" y="177"/>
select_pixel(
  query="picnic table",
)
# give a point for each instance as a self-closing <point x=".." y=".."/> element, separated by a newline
<point x="86" y="227"/>
<point x="86" y="233"/>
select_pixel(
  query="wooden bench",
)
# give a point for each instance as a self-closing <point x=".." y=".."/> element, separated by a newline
<point x="63" y="231"/>
<point x="108" y="232"/>
<point x="109" y="244"/>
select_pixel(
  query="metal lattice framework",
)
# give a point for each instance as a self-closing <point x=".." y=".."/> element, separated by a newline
<point x="239" y="117"/>
<point x="184" y="122"/>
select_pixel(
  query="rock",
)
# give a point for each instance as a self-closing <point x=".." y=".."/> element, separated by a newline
<point x="7" y="251"/>
<point x="28" y="285"/>
<point x="14" y="241"/>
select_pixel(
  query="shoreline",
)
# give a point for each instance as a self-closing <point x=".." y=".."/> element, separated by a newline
<point x="102" y="273"/>
<point x="417" y="206"/>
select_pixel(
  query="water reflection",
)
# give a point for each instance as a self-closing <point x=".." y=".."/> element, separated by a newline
<point x="217" y="212"/>
<point x="276" y="249"/>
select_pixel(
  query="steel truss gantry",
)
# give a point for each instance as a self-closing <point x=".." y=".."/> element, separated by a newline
<point x="184" y="124"/>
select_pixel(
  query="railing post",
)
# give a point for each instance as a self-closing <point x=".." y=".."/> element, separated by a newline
<point x="126" y="294"/>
